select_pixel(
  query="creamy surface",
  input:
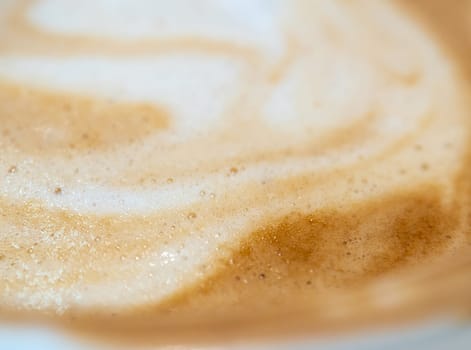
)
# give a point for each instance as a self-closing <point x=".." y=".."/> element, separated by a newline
<point x="187" y="157"/>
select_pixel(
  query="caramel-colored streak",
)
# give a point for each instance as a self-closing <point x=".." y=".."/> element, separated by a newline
<point x="279" y="70"/>
<point x="357" y="132"/>
<point x="72" y="239"/>
<point x="327" y="249"/>
<point x="41" y="122"/>
<point x="19" y="36"/>
<point x="349" y="135"/>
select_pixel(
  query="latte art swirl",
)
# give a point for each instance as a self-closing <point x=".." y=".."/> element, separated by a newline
<point x="149" y="145"/>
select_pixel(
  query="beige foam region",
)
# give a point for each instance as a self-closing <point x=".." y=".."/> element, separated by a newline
<point x="113" y="219"/>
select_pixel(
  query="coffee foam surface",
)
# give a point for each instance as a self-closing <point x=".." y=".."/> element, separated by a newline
<point x="144" y="142"/>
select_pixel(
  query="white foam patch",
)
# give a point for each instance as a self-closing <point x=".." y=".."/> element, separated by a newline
<point x="321" y="93"/>
<point x="243" y="22"/>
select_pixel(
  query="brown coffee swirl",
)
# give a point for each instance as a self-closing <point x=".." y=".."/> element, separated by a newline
<point x="228" y="159"/>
